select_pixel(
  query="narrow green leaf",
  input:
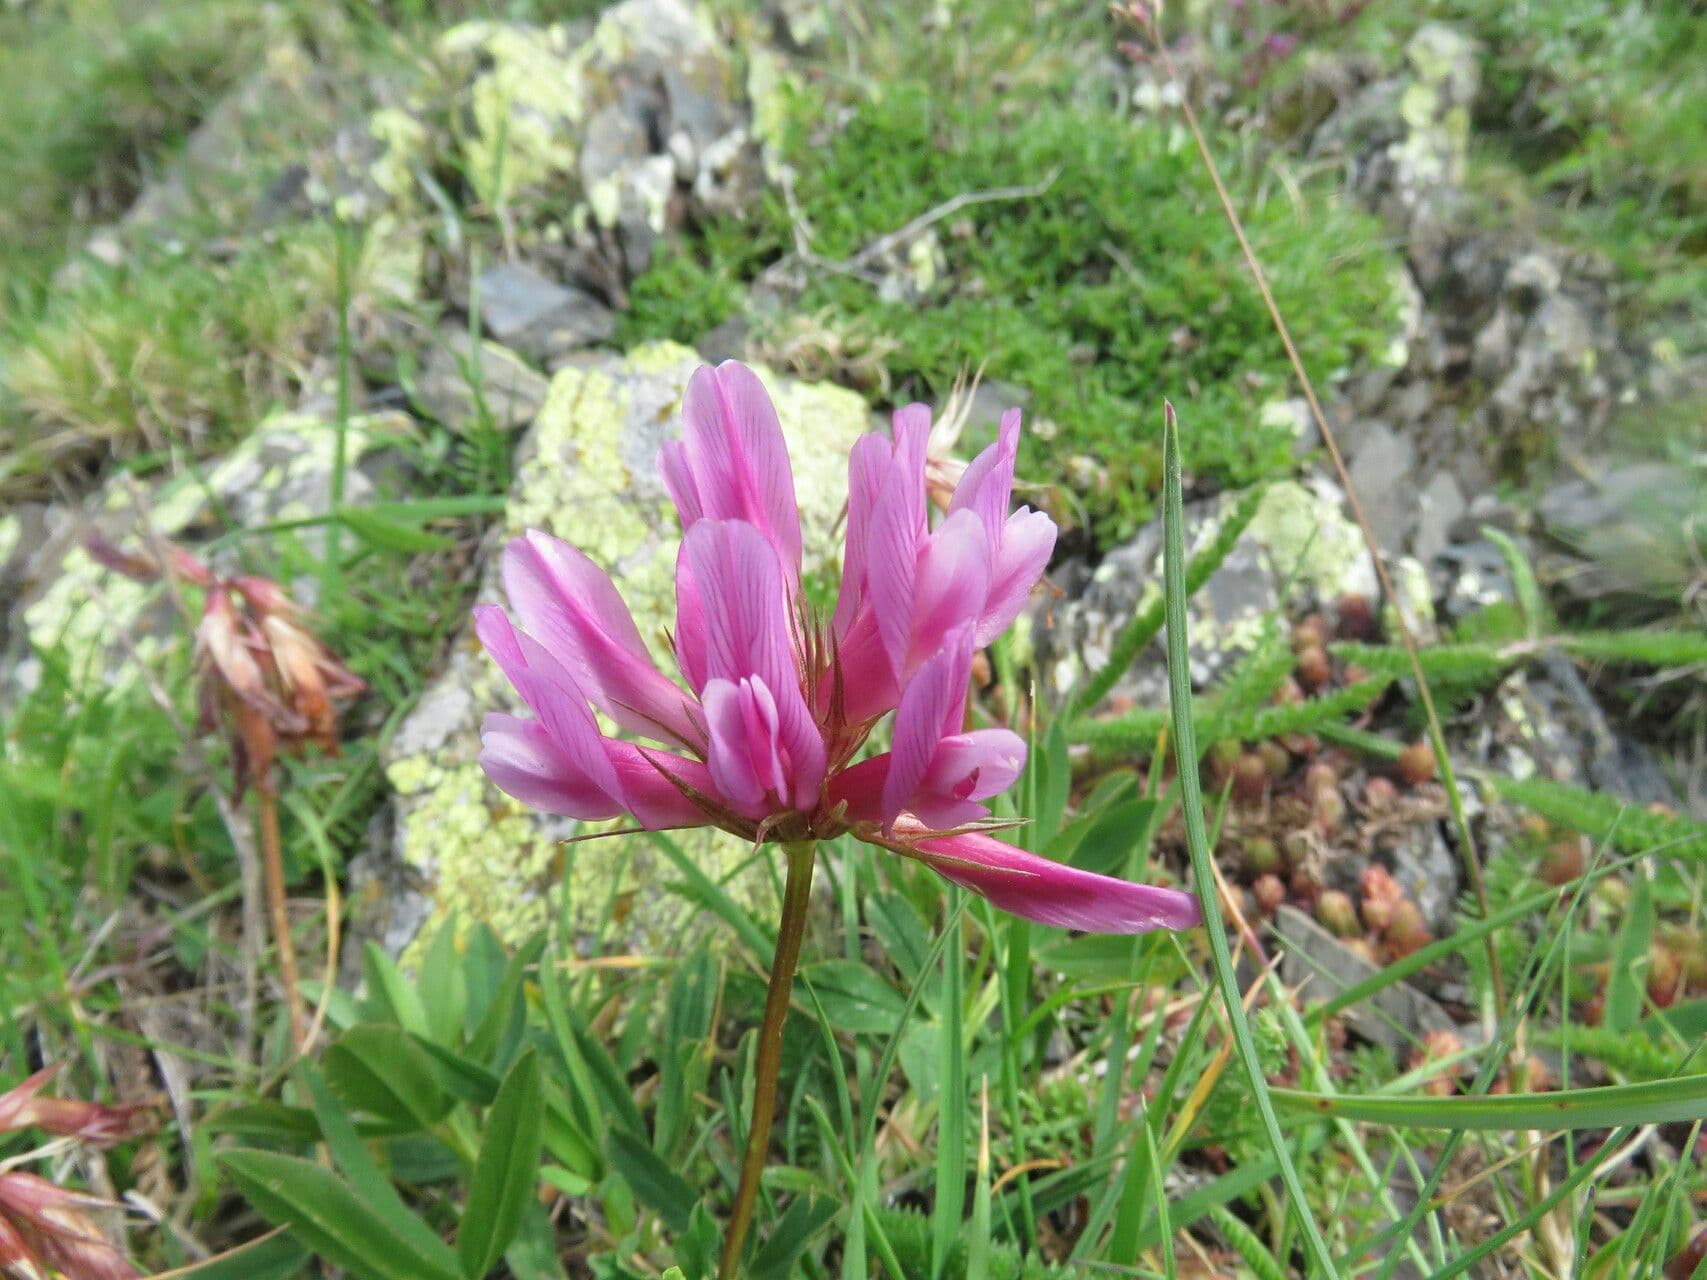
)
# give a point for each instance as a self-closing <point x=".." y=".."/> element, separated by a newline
<point x="362" y="1171"/>
<point x="501" y="1024"/>
<point x="1176" y="593"/>
<point x="326" y="1216"/>
<point x="1653" y="1102"/>
<point x="803" y="1219"/>
<point x="272" y="1257"/>
<point x="653" y="1182"/>
<point x="505" y="1171"/>
<point x="951" y="1115"/>
<point x="389" y="534"/>
<point x="378" y="1069"/>
<point x="391" y="997"/>
<point x="444" y="986"/>
<point x="1531" y="603"/>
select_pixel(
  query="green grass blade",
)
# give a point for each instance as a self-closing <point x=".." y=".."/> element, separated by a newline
<point x="951" y="1115"/>
<point x="1185" y="752"/>
<point x="1653" y="1102"/>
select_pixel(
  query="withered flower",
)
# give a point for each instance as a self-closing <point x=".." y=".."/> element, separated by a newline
<point x="46" y="1229"/>
<point x="23" y="1107"/>
<point x="264" y="677"/>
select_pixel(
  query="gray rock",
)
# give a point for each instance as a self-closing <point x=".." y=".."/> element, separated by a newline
<point x="1396" y="1017"/>
<point x="1383" y="478"/>
<point x="586" y="471"/>
<point x="1547" y="723"/>
<point x="539" y="317"/>
<point x="1300" y="540"/>
<point x="458" y="384"/>
<point x="1440" y="506"/>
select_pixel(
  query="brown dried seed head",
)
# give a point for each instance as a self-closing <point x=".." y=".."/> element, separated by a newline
<point x="1416" y="763"/>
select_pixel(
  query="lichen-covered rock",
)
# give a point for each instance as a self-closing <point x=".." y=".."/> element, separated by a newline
<point x="1300" y="550"/>
<point x="607" y="132"/>
<point x="587" y="473"/>
<point x="281" y="471"/>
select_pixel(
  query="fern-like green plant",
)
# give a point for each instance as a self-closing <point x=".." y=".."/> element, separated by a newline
<point x="1627" y="828"/>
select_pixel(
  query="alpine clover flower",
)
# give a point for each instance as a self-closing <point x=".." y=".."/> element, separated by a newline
<point x="764" y="740"/>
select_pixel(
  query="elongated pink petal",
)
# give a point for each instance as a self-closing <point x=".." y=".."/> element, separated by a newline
<point x="1035" y="888"/>
<point x="522" y="761"/>
<point x="737" y="583"/>
<point x="570" y="606"/>
<point x="950" y="587"/>
<point x="898" y="529"/>
<point x="743" y="756"/>
<point x="678" y="480"/>
<point x="987" y="484"/>
<point x="867" y="679"/>
<point x="932" y="705"/>
<point x="690" y="624"/>
<point x="1027" y="541"/>
<point x="867" y="465"/>
<point x="733" y="464"/>
<point x="746" y="624"/>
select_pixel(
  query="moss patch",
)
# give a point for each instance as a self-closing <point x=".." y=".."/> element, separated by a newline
<point x="1118" y="285"/>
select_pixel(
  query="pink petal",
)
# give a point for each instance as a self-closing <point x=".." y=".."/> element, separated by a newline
<point x="932" y="705"/>
<point x="690" y="624"/>
<point x="950" y="586"/>
<point x="679" y="481"/>
<point x="656" y="802"/>
<point x="867" y="465"/>
<point x="968" y="768"/>
<point x="747" y="636"/>
<point x="553" y="696"/>
<point x="898" y="528"/>
<point x="1035" y="888"/>
<point x="734" y="462"/>
<point x="571" y="606"/>
<point x="737" y="583"/>
<point x="1027" y="541"/>
<point x="743" y="757"/>
<point x="988" y="482"/>
<point x="860" y="788"/>
<point x="521" y="760"/>
<point x="866" y="677"/>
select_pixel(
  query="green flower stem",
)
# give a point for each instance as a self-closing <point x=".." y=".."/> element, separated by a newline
<point x="796" y="894"/>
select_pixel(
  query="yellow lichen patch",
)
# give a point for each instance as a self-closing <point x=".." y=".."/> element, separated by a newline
<point x="1311" y="543"/>
<point x="526" y="104"/>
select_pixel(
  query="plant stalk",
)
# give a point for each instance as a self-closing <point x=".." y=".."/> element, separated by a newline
<point x="796" y="894"/>
<point x="272" y="862"/>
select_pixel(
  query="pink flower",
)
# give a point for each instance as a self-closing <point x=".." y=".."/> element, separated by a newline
<point x="763" y="739"/>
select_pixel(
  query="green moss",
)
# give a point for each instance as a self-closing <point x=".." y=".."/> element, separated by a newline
<point x="1117" y="286"/>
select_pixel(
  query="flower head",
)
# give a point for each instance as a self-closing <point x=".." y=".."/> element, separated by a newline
<point x="764" y="738"/>
<point x="264" y="677"/>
